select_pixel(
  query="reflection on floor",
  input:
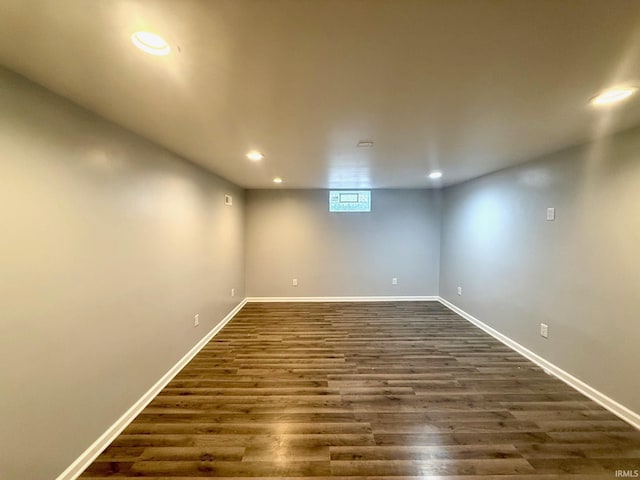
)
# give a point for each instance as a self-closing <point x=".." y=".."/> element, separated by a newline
<point x="357" y="390"/>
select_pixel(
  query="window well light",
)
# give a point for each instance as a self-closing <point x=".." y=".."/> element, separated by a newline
<point x="277" y="180"/>
<point x="151" y="43"/>
<point x="613" y="95"/>
<point x="435" y="175"/>
<point x="255" y="156"/>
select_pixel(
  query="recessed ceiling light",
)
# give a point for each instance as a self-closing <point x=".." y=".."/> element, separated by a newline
<point x="612" y="96"/>
<point x="255" y="156"/>
<point x="435" y="175"/>
<point x="151" y="43"/>
<point x="365" y="144"/>
<point x="277" y="180"/>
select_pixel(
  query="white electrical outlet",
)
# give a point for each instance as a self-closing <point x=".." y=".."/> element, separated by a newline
<point x="196" y="320"/>
<point x="294" y="282"/>
<point x="544" y="330"/>
<point x="551" y="213"/>
<point x="459" y="290"/>
<point x="228" y="200"/>
<point x="233" y="292"/>
<point x="394" y="281"/>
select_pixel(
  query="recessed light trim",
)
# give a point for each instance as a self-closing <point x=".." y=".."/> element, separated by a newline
<point x="277" y="180"/>
<point x="151" y="43"/>
<point x="255" y="156"/>
<point x="435" y="175"/>
<point x="613" y="95"/>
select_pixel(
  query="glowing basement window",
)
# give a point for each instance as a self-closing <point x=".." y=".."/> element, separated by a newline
<point x="350" y="201"/>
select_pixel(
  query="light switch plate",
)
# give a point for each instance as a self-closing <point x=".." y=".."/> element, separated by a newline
<point x="551" y="213"/>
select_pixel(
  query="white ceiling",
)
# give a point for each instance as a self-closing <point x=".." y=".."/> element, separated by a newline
<point x="465" y="86"/>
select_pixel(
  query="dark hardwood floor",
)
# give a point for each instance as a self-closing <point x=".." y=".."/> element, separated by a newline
<point x="404" y="390"/>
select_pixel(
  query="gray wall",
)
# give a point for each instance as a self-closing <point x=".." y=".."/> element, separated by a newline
<point x="109" y="246"/>
<point x="580" y="274"/>
<point x="291" y="234"/>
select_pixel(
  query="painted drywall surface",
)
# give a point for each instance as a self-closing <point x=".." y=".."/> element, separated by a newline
<point x="109" y="247"/>
<point x="292" y="234"/>
<point x="580" y="273"/>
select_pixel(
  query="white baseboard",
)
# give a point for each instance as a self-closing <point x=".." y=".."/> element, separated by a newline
<point x="600" y="398"/>
<point x="90" y="454"/>
<point x="346" y="299"/>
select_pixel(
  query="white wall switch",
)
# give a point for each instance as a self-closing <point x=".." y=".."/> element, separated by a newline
<point x="544" y="330"/>
<point x="228" y="200"/>
<point x="551" y="213"/>
<point x="394" y="281"/>
<point x="233" y="292"/>
<point x="459" y="290"/>
<point x="196" y="320"/>
<point x="294" y="282"/>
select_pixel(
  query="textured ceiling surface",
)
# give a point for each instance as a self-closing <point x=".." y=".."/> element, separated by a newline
<point x="464" y="86"/>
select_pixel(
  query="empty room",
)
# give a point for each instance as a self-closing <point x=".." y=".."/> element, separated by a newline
<point x="346" y="239"/>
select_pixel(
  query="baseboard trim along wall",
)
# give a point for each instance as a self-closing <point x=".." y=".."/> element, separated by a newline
<point x="600" y="398"/>
<point x="90" y="454"/>
<point x="345" y="299"/>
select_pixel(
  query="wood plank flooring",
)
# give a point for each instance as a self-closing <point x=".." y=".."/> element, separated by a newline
<point x="404" y="390"/>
